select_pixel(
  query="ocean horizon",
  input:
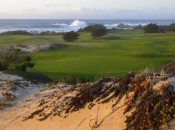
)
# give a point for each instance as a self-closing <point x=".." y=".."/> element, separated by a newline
<point x="65" y="25"/>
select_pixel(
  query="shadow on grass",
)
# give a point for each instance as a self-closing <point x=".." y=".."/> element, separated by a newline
<point x="113" y="38"/>
<point x="56" y="76"/>
<point x="154" y="55"/>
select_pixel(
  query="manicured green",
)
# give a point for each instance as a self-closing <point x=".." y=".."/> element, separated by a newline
<point x="115" y="54"/>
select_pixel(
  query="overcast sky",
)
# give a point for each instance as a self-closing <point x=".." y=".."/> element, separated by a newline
<point x="87" y="9"/>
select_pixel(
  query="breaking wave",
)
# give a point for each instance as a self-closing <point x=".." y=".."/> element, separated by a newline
<point x="79" y="24"/>
<point x="74" y="26"/>
<point x="123" y="25"/>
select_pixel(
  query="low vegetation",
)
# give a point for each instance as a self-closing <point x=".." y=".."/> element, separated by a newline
<point x="70" y="36"/>
<point x="18" y="32"/>
<point x="154" y="110"/>
<point x="15" y="59"/>
<point x="151" y="28"/>
<point x="171" y="27"/>
<point x="96" y="30"/>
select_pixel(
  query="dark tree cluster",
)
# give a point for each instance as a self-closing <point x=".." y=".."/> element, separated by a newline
<point x="154" y="28"/>
<point x="96" y="30"/>
<point x="71" y="36"/>
<point x="151" y="28"/>
<point x="171" y="27"/>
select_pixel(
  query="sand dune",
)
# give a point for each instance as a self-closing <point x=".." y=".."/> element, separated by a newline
<point x="53" y="107"/>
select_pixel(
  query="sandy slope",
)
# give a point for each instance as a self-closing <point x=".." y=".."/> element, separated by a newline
<point x="12" y="118"/>
<point x="17" y="92"/>
<point x="30" y="96"/>
<point x="79" y="120"/>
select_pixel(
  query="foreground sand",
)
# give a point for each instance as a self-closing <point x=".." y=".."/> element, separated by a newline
<point x="12" y="119"/>
<point x="79" y="120"/>
<point x="101" y="116"/>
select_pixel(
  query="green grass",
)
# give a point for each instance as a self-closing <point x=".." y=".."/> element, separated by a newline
<point x="116" y="54"/>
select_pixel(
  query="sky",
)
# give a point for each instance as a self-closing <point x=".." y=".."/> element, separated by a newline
<point x="87" y="9"/>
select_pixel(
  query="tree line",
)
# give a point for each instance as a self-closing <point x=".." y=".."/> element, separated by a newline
<point x="99" y="30"/>
<point x="95" y="30"/>
<point x="154" y="28"/>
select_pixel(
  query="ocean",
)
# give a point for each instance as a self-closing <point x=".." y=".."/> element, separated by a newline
<point x="54" y="25"/>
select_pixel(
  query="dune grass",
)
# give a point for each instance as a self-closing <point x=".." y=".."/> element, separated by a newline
<point x="115" y="54"/>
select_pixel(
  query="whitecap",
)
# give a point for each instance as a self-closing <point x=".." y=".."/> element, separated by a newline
<point x="79" y="24"/>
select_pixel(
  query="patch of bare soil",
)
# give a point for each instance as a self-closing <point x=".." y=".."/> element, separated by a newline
<point x="39" y="47"/>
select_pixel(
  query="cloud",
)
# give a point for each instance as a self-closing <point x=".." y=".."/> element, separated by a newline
<point x="164" y="8"/>
<point x="56" y="4"/>
<point x="66" y="4"/>
<point x="79" y="12"/>
<point x="31" y="10"/>
<point x="87" y="13"/>
<point x="95" y="13"/>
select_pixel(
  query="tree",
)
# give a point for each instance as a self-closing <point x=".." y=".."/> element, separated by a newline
<point x="163" y="28"/>
<point x="151" y="28"/>
<point x="71" y="36"/>
<point x="171" y="27"/>
<point x="86" y="29"/>
<point x="98" y="31"/>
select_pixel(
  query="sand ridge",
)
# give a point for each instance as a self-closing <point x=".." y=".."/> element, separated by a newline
<point x="53" y="106"/>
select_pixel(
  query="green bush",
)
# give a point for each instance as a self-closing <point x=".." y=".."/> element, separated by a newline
<point x="71" y="36"/>
<point x="171" y="27"/>
<point x="73" y="80"/>
<point x="2" y="67"/>
<point x="151" y="28"/>
<point x="96" y="30"/>
<point x="24" y="66"/>
<point x="163" y="28"/>
<point x="15" y="59"/>
<point x="87" y="29"/>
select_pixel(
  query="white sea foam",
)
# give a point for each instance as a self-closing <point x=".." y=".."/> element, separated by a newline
<point x="109" y="26"/>
<point x="124" y="25"/>
<point x="74" y="26"/>
<point x="59" y="24"/>
<point x="79" y="24"/>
